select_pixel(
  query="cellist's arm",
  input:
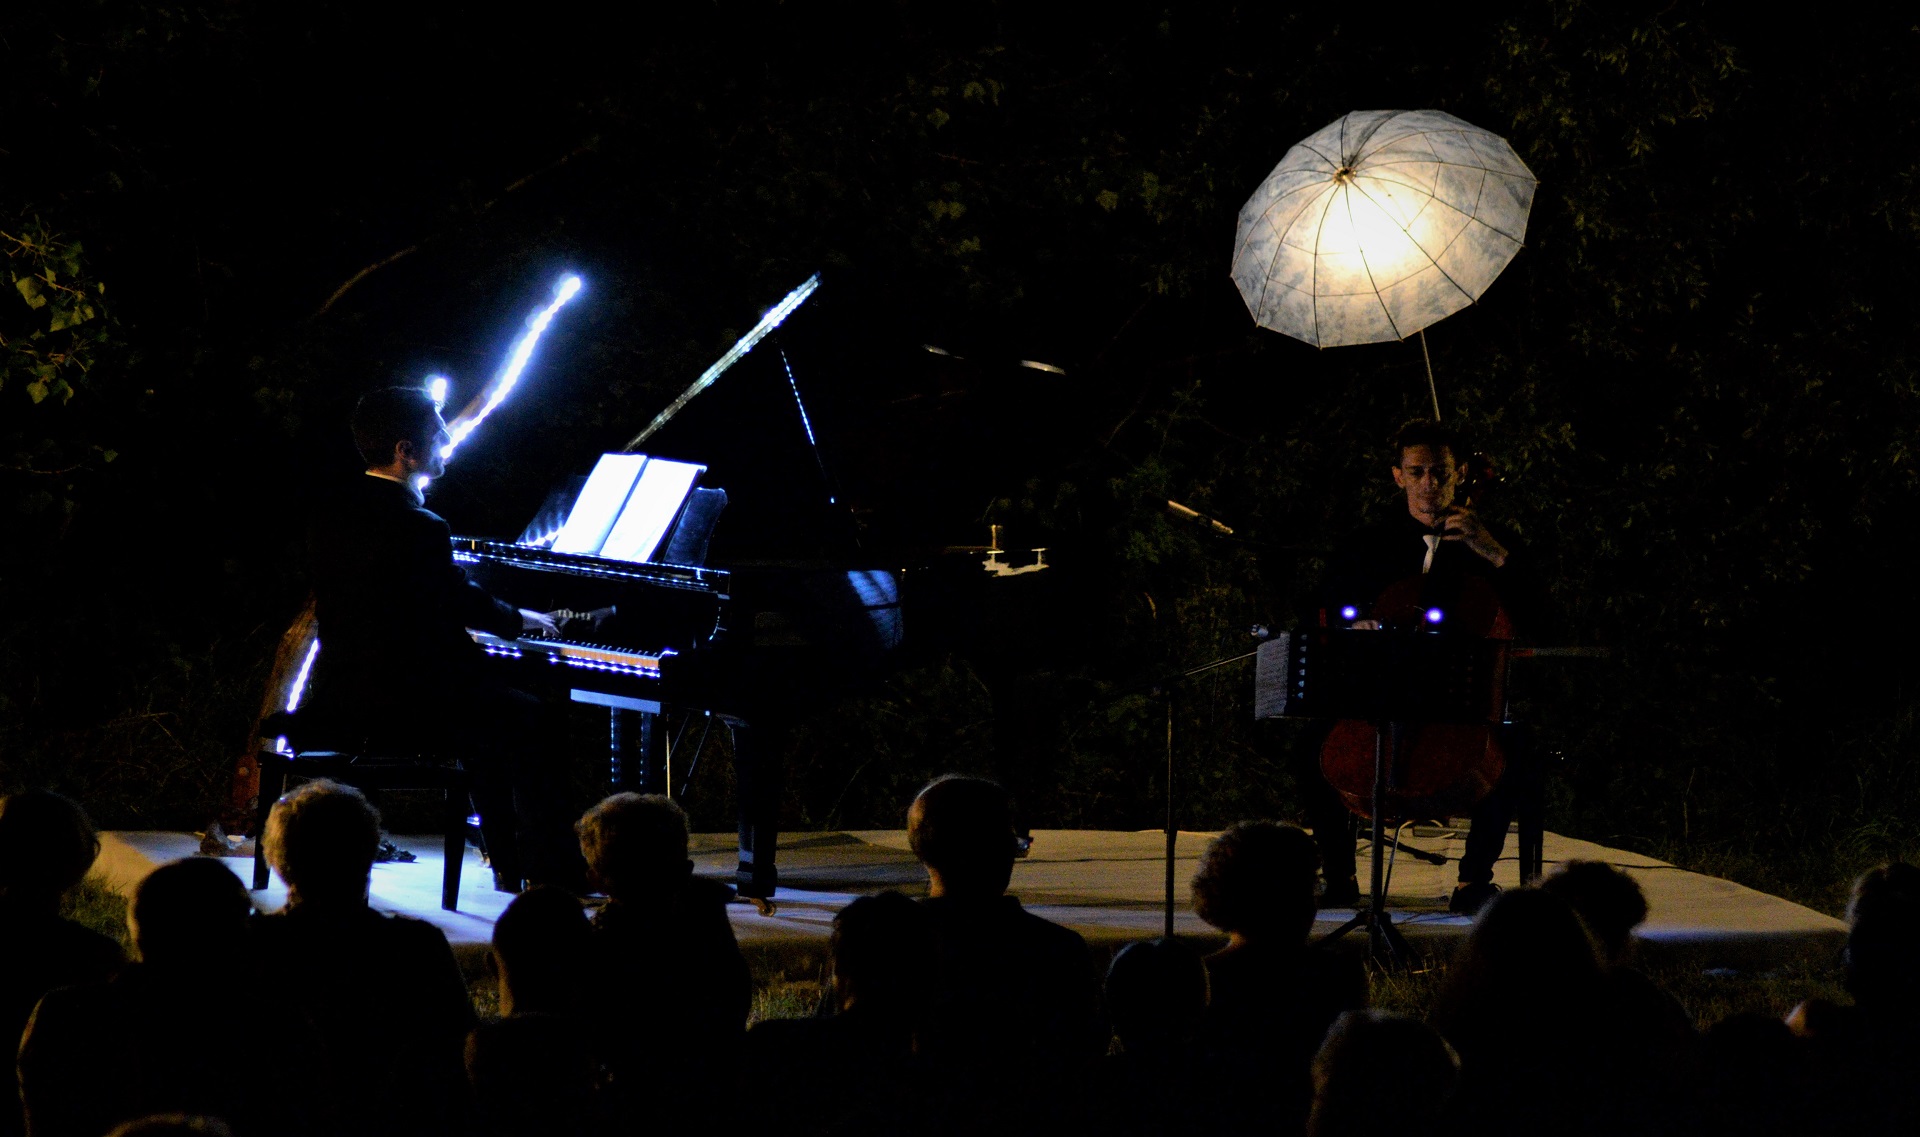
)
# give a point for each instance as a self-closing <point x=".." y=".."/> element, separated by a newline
<point x="1463" y="525"/>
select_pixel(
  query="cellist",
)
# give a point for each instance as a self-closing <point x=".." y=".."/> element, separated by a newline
<point x="1442" y="538"/>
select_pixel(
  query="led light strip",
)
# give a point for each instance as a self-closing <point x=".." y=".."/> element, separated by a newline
<point x="775" y="315"/>
<point x="482" y="405"/>
<point x="300" y="680"/>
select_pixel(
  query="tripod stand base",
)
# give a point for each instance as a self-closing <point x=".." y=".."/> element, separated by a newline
<point x="1385" y="945"/>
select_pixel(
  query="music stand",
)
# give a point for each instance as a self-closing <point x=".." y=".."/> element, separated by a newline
<point x="1394" y="679"/>
<point x="1163" y="687"/>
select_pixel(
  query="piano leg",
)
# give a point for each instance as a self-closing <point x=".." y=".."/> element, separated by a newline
<point x="756" y="771"/>
<point x="635" y="756"/>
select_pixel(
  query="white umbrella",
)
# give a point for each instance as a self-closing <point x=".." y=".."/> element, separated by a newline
<point x="1380" y="224"/>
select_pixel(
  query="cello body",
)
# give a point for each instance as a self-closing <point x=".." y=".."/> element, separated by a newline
<point x="1432" y="768"/>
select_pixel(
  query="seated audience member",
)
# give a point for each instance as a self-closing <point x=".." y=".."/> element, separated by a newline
<point x="109" y="1052"/>
<point x="1866" y="1055"/>
<point x="1755" y="1081"/>
<point x="1663" y="1044"/>
<point x="383" y="992"/>
<point x="1156" y="995"/>
<point x="1524" y="1005"/>
<point x="1153" y="1081"/>
<point x="535" y="1070"/>
<point x="672" y="989"/>
<point x="882" y="950"/>
<point x="46" y="847"/>
<point x="1016" y="1003"/>
<point x="1273" y="994"/>
<point x="1376" y="1071"/>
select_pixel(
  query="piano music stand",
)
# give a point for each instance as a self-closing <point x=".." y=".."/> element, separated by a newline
<point x="1393" y="679"/>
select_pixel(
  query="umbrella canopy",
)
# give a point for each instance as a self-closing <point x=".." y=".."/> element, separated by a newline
<point x="1379" y="224"/>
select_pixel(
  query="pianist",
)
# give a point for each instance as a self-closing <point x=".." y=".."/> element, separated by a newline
<point x="397" y="670"/>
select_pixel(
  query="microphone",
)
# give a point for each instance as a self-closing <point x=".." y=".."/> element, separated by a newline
<point x="1196" y="515"/>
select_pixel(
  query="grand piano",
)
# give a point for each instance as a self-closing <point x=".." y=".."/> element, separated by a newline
<point x="646" y="625"/>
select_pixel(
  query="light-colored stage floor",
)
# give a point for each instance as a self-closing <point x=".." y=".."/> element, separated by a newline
<point x="1106" y="885"/>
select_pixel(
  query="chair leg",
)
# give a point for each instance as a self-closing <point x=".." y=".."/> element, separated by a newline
<point x="273" y="780"/>
<point x="455" y="847"/>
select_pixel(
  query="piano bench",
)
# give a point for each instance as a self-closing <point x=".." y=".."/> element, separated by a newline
<point x="371" y="771"/>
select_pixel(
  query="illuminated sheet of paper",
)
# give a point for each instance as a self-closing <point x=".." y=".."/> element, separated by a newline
<point x="598" y="506"/>
<point x="650" y="510"/>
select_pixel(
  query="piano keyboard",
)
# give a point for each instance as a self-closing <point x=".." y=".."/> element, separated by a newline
<point x="576" y="653"/>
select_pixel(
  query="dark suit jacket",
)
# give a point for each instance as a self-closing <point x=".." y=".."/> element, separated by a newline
<point x="392" y="607"/>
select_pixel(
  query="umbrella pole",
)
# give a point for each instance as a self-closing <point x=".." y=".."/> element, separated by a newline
<point x="1431" y="389"/>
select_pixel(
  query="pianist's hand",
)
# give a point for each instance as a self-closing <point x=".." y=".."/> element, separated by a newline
<point x="531" y="621"/>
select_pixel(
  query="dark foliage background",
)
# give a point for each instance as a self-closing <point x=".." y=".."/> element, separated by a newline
<point x="1699" y="375"/>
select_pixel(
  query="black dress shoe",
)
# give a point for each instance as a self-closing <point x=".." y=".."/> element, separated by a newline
<point x="389" y="853"/>
<point x="1468" y="899"/>
<point x="1339" y="894"/>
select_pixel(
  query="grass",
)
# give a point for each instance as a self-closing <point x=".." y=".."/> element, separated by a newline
<point x="96" y="905"/>
<point x="787" y="992"/>
<point x="1708" y="996"/>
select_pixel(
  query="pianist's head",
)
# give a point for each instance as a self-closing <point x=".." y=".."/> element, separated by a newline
<point x="961" y="828"/>
<point x="399" y="430"/>
<point x="321" y="839"/>
<point x="635" y="845"/>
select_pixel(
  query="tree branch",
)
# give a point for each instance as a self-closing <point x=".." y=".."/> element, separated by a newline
<point x="363" y="274"/>
<point x="376" y="266"/>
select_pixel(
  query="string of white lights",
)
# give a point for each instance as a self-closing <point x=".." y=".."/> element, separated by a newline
<point x="509" y="375"/>
<point x="774" y="317"/>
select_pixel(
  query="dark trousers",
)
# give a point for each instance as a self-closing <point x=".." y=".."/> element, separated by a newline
<point x="505" y="739"/>
<point x="1517" y="792"/>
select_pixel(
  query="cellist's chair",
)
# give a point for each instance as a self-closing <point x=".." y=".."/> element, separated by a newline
<point x="367" y="767"/>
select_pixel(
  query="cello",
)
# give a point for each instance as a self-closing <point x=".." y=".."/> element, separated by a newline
<point x="1444" y="766"/>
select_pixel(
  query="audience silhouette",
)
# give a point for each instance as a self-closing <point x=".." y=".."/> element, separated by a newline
<point x="1274" y="995"/>
<point x="1867" y="1053"/>
<point x="1755" y="1080"/>
<point x="961" y="1013"/>
<point x="535" y="1070"/>
<point x="882" y="954"/>
<point x="1154" y="1081"/>
<point x="47" y="845"/>
<point x="671" y="988"/>
<point x="1016" y="1002"/>
<point x="1525" y="1007"/>
<point x="1376" y="1071"/>
<point x="1659" y="1047"/>
<point x="382" y="992"/>
<point x="106" y="1053"/>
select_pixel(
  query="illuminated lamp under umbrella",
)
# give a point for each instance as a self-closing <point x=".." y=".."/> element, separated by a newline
<point x="1379" y="224"/>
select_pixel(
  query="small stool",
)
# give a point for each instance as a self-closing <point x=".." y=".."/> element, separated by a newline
<point x="367" y="769"/>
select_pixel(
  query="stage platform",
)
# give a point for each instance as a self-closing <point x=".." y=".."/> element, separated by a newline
<point x="1106" y="885"/>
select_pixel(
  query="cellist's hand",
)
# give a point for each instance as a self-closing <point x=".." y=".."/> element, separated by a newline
<point x="1463" y="525"/>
